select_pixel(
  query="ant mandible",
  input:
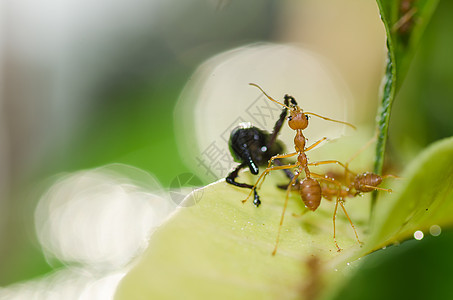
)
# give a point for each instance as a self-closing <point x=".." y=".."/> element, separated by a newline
<point x="310" y="189"/>
<point x="253" y="147"/>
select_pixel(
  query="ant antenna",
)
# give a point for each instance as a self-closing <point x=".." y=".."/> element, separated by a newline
<point x="293" y="101"/>
<point x="404" y="19"/>
<point x="364" y="147"/>
<point x="269" y="97"/>
<point x="329" y="119"/>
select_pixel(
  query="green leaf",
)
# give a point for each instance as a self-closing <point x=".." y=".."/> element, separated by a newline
<point x="426" y="197"/>
<point x="222" y="248"/>
<point x="218" y="247"/>
<point x="404" y="22"/>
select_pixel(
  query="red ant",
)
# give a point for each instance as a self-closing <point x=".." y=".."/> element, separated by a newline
<point x="310" y="189"/>
<point x="350" y="185"/>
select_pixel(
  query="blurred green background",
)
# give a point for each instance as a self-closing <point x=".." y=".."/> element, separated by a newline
<point x="90" y="84"/>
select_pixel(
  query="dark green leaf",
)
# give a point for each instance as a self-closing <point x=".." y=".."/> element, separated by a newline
<point x="404" y="21"/>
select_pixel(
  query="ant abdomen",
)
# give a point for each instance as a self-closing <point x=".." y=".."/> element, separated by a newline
<point x="310" y="190"/>
<point x="367" y="182"/>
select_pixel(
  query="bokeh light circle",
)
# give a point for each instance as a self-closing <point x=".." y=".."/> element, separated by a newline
<point x="100" y="218"/>
<point x="218" y="97"/>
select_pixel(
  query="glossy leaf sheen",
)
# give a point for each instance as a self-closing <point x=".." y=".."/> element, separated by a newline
<point x="222" y="248"/>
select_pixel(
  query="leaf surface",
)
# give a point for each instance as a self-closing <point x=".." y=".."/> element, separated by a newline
<point x="219" y="247"/>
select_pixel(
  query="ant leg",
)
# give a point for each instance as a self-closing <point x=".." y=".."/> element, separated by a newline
<point x="231" y="180"/>
<point x="329" y="191"/>
<point x="288" y="190"/>
<point x="364" y="147"/>
<point x="284" y="169"/>
<point x="325" y="162"/>
<point x="277" y="157"/>
<point x="391" y="176"/>
<point x="288" y="173"/>
<point x="353" y="227"/>
<point x="329" y="119"/>
<point x="332" y="180"/>
<point x="315" y="144"/>
<point x="334" y="217"/>
<point x="264" y="173"/>
<point x="280" y="156"/>
<point x="301" y="214"/>
<point x="338" y="200"/>
<point x="377" y="188"/>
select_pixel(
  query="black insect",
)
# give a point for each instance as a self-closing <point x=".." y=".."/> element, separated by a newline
<point x="252" y="148"/>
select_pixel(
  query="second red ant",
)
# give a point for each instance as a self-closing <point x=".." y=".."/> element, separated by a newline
<point x="350" y="185"/>
<point x="343" y="187"/>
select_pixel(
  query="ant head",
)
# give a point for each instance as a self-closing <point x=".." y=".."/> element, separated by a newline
<point x="297" y="119"/>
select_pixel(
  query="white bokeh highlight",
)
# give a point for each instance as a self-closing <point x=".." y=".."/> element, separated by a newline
<point x="418" y="235"/>
<point x="68" y="284"/>
<point x="100" y="218"/>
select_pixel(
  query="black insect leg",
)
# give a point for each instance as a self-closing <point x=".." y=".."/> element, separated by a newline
<point x="231" y="179"/>
<point x="288" y="174"/>
<point x="278" y="125"/>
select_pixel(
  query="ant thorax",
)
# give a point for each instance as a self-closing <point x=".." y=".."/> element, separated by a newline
<point x="299" y="141"/>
